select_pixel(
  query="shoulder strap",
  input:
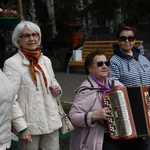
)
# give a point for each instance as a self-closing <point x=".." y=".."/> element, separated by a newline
<point x="83" y="88"/>
<point x="111" y="81"/>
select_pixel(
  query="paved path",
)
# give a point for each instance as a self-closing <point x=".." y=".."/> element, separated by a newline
<point x="69" y="82"/>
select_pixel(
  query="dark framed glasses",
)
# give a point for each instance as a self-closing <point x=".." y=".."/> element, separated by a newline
<point x="125" y="38"/>
<point x="101" y="63"/>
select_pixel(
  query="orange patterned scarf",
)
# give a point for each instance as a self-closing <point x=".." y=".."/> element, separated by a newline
<point x="33" y="57"/>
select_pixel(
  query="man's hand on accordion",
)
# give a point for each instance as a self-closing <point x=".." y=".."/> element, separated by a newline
<point x="101" y="114"/>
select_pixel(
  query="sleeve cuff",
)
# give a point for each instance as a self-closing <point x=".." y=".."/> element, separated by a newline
<point x="23" y="131"/>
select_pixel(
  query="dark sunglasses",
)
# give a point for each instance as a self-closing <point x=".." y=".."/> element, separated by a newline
<point x="125" y="38"/>
<point x="101" y="63"/>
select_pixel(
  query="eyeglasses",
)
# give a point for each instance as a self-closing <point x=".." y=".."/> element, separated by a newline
<point x="101" y="63"/>
<point x="27" y="36"/>
<point x="125" y="38"/>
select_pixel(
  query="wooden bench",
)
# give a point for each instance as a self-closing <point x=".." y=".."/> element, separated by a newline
<point x="90" y="46"/>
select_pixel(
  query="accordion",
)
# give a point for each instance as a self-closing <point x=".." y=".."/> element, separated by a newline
<point x="130" y="115"/>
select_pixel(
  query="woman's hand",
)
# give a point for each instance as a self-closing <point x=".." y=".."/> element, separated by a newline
<point x="26" y="136"/>
<point x="101" y="114"/>
<point x="55" y="90"/>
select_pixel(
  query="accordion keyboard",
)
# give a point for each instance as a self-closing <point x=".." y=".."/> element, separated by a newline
<point x="119" y="122"/>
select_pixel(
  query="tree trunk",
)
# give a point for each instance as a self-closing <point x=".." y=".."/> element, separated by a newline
<point x="89" y="19"/>
<point x="81" y="7"/>
<point x="20" y="9"/>
<point x="51" y="14"/>
<point x="32" y="12"/>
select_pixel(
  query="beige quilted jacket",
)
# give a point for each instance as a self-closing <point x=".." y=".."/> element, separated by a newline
<point x="35" y="109"/>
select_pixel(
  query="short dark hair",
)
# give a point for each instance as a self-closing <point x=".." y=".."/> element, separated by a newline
<point x="89" y="59"/>
<point x="127" y="28"/>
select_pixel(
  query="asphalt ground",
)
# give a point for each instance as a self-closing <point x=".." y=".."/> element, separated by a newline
<point x="69" y="83"/>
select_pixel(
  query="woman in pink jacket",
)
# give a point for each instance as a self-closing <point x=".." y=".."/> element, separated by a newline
<point x="87" y="113"/>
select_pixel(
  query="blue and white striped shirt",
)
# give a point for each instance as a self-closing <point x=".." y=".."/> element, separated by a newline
<point x="128" y="70"/>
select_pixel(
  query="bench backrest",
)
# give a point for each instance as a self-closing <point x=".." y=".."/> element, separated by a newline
<point x="106" y="46"/>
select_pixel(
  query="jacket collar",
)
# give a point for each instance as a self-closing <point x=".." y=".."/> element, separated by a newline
<point x="90" y="84"/>
<point x="25" y="60"/>
<point x="118" y="52"/>
<point x="94" y="84"/>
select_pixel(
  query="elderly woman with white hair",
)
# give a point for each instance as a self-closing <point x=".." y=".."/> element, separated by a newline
<point x="35" y="112"/>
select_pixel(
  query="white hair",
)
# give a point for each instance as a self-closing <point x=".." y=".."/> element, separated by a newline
<point x="19" y="29"/>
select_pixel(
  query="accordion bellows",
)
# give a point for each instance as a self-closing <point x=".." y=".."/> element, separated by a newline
<point x="130" y="115"/>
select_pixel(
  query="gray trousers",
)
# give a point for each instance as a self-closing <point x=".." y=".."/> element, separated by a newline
<point x="41" y="142"/>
